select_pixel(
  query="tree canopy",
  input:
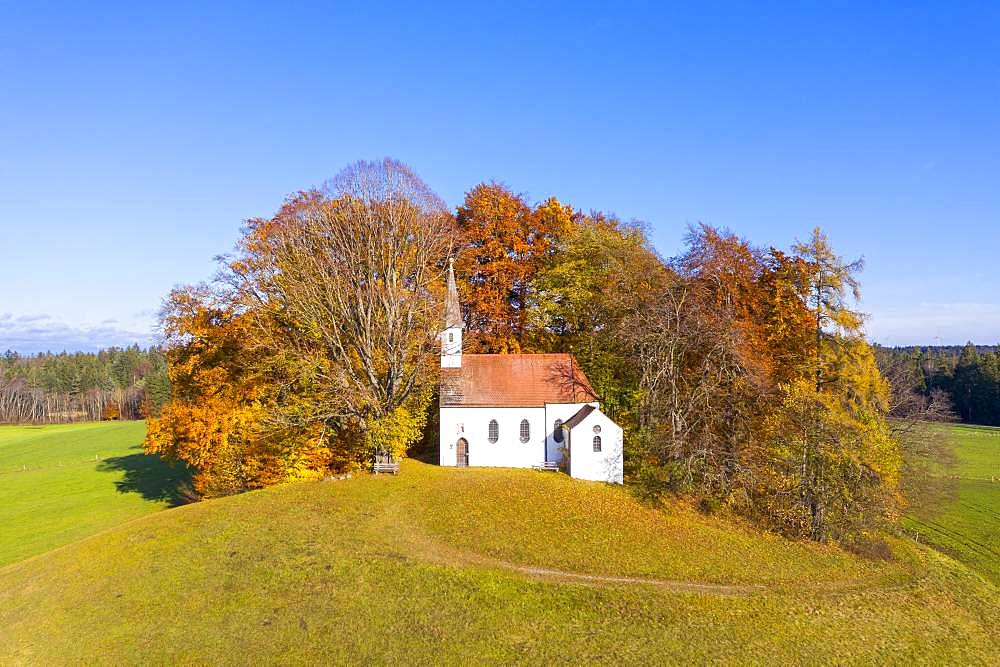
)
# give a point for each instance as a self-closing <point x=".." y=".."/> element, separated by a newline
<point x="313" y="348"/>
<point x="740" y="374"/>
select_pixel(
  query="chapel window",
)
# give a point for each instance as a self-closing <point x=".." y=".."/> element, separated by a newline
<point x="597" y="443"/>
<point x="525" y="430"/>
<point x="557" y="433"/>
<point x="494" y="430"/>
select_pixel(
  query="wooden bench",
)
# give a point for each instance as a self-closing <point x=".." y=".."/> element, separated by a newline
<point x="547" y="466"/>
<point x="387" y="468"/>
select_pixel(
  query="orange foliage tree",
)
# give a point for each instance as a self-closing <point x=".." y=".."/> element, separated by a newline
<point x="315" y="346"/>
<point x="216" y="420"/>
<point x="504" y="241"/>
<point x="759" y="391"/>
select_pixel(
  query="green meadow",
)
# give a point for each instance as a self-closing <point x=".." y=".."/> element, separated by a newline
<point x="61" y="483"/>
<point x="461" y="566"/>
<point x="967" y="525"/>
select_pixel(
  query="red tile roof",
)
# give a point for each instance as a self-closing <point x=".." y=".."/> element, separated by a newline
<point x="515" y="380"/>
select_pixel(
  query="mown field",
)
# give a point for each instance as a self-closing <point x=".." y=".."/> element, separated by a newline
<point x="61" y="483"/>
<point x="967" y="526"/>
<point x="472" y="566"/>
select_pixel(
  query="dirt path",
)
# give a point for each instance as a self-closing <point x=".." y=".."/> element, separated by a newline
<point x="425" y="547"/>
<point x="675" y="586"/>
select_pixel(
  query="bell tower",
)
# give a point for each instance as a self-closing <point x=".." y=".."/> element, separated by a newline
<point x="451" y="337"/>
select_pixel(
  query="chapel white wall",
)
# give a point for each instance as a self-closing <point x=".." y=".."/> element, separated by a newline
<point x="508" y="452"/>
<point x="584" y="462"/>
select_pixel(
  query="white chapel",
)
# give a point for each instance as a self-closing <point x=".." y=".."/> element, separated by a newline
<point x="521" y="410"/>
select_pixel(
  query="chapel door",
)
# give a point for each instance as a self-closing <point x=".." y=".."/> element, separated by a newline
<point x="462" y="453"/>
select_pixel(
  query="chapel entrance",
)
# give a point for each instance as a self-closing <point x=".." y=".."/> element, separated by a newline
<point x="462" y="453"/>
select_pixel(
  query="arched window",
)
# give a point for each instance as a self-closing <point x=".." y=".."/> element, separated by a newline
<point x="494" y="433"/>
<point x="557" y="433"/>
<point x="597" y="443"/>
<point x="451" y="336"/>
<point x="525" y="430"/>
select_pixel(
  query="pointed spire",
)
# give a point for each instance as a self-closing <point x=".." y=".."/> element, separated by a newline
<point x="452" y="310"/>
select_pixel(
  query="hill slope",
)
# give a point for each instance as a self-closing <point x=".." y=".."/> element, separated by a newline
<point x="449" y="565"/>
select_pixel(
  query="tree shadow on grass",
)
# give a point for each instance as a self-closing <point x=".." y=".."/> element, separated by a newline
<point x="151" y="476"/>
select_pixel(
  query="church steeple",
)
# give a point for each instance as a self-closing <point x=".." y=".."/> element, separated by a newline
<point x="451" y="337"/>
<point x="452" y="310"/>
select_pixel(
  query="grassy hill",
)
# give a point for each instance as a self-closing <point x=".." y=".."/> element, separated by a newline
<point x="61" y="483"/>
<point x="479" y="565"/>
<point x="968" y="525"/>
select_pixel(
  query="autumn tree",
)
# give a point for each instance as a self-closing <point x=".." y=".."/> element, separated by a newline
<point x="784" y="316"/>
<point x="215" y="419"/>
<point x="844" y="460"/>
<point x="504" y="242"/>
<point x="759" y="392"/>
<point x="837" y="468"/>
<point x="313" y="348"/>
<point x="831" y="282"/>
<point x="704" y="368"/>
<point x="349" y="277"/>
<point x="599" y="268"/>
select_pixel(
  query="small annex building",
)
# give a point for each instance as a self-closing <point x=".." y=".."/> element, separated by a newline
<point x="521" y="410"/>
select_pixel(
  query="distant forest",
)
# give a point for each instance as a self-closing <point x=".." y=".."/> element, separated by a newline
<point x="117" y="383"/>
<point x="131" y="383"/>
<point x="969" y="375"/>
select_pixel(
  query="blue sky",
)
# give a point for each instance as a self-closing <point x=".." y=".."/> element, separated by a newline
<point x="134" y="140"/>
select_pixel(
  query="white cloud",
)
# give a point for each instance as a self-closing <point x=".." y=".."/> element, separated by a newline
<point x="936" y="324"/>
<point x="29" y="334"/>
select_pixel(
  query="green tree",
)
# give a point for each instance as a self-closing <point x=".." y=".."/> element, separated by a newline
<point x="584" y="291"/>
<point x="968" y="383"/>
